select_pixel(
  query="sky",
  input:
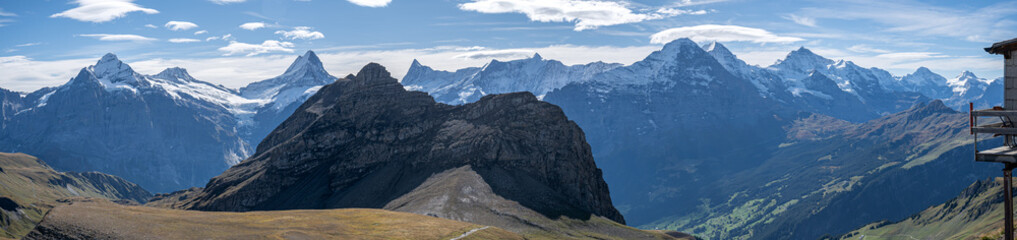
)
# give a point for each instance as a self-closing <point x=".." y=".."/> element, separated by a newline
<point x="235" y="42"/>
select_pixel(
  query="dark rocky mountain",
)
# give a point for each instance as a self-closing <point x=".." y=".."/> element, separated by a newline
<point x="507" y="160"/>
<point x="29" y="188"/>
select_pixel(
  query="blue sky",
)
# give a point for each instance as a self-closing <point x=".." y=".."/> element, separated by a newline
<point x="44" y="43"/>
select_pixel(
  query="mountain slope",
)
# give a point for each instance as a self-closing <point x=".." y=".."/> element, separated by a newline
<point x="975" y="213"/>
<point x="29" y="188"/>
<point x="832" y="182"/>
<point x="508" y="160"/>
<point x="112" y="119"/>
<point x="94" y="219"/>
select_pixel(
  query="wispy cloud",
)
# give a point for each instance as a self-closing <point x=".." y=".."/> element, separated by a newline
<point x="267" y="46"/>
<point x="224" y="2"/>
<point x="721" y="33"/>
<point x="226" y="37"/>
<point x="301" y="33"/>
<point x="151" y="26"/>
<point x="805" y="21"/>
<point x="586" y="14"/>
<point x="992" y="22"/>
<point x="118" y="37"/>
<point x="6" y="14"/>
<point x="180" y="25"/>
<point x="862" y="48"/>
<point x="200" y="32"/>
<point x="27" y="44"/>
<point x="102" y="10"/>
<point x="370" y="3"/>
<point x="252" y="25"/>
<point x="183" y="40"/>
<point x="499" y="54"/>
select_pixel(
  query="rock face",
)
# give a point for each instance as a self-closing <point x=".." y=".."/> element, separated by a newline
<point x="364" y="141"/>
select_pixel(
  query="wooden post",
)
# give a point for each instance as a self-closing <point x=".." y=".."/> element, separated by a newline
<point x="1008" y="202"/>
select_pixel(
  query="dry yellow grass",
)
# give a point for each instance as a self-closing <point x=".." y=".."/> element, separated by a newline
<point x="100" y="218"/>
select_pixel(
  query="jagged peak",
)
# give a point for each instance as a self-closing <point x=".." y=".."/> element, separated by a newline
<point x="175" y="73"/>
<point x="111" y="67"/>
<point x="922" y="70"/>
<point x="967" y="75"/>
<point x="374" y="72"/>
<point x="536" y="56"/>
<point x="934" y="106"/>
<point x="415" y="64"/>
<point x="307" y="61"/>
<point x="718" y="48"/>
<point x="677" y="44"/>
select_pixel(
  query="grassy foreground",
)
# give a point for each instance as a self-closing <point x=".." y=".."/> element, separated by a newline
<point x="92" y="218"/>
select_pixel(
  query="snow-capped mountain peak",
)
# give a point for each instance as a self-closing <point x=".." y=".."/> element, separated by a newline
<point x="802" y="60"/>
<point x="304" y="73"/>
<point x="175" y="73"/>
<point x="309" y="61"/>
<point x="113" y="70"/>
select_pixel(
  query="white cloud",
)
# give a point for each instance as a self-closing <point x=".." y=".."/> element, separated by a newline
<point x="301" y="33"/>
<point x="497" y="54"/>
<point x="370" y="3"/>
<point x="585" y="14"/>
<point x="862" y="48"/>
<point x="2" y="21"/>
<point x="226" y="37"/>
<point x="252" y="25"/>
<point x="180" y="25"/>
<point x="183" y="40"/>
<point x="27" y="44"/>
<point x="676" y="12"/>
<point x="267" y="46"/>
<point x="118" y="37"/>
<point x="224" y="2"/>
<point x="805" y="21"/>
<point x="200" y="32"/>
<point x="6" y="14"/>
<point x="720" y="33"/>
<point x="151" y="26"/>
<point x="102" y="10"/>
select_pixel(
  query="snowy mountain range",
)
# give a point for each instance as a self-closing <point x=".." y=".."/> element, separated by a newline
<point x="790" y="81"/>
<point x="534" y="74"/>
<point x="112" y="119"/>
